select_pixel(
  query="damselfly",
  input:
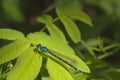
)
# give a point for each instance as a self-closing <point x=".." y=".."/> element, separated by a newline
<point x="45" y="49"/>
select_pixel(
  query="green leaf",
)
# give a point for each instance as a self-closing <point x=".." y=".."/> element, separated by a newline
<point x="81" y="16"/>
<point x="44" y="19"/>
<point x="72" y="9"/>
<point x="13" y="50"/>
<point x="50" y="42"/>
<point x="10" y="34"/>
<point x="59" y="73"/>
<point x="52" y="28"/>
<point x="71" y="29"/>
<point x="27" y="67"/>
<point x="56" y="32"/>
<point x="12" y="10"/>
<point x="64" y="6"/>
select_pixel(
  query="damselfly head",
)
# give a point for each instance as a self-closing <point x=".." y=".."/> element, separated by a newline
<point x="42" y="48"/>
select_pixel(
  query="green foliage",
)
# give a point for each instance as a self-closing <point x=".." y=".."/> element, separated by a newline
<point x="71" y="28"/>
<point x="28" y="62"/>
<point x="65" y="14"/>
<point x="11" y="8"/>
<point x="72" y="9"/>
<point x="27" y="66"/>
<point x="65" y="50"/>
<point x="9" y="34"/>
<point x="64" y="74"/>
<point x="52" y="28"/>
<point x="13" y="50"/>
<point x="51" y="43"/>
<point x="68" y="32"/>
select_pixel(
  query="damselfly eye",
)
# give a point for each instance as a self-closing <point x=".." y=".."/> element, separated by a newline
<point x="44" y="49"/>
